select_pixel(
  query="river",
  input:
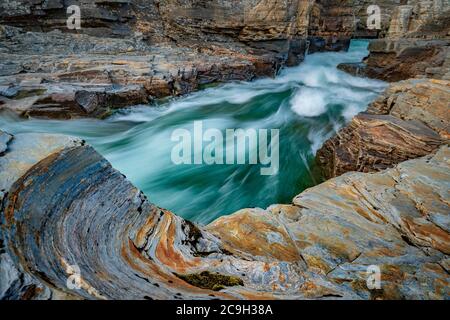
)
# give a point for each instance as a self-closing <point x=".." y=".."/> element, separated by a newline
<point x="308" y="104"/>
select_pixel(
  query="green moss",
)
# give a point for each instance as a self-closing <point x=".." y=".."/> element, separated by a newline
<point x="212" y="281"/>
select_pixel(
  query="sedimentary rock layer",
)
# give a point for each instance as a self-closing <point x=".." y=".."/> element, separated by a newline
<point x="60" y="75"/>
<point x="65" y="208"/>
<point x="409" y="120"/>
<point x="173" y="19"/>
<point x="132" y="52"/>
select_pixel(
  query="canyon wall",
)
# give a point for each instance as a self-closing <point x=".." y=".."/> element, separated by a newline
<point x="133" y="51"/>
<point x="409" y="120"/>
<point x="416" y="44"/>
<point x="394" y="214"/>
<point x="90" y="234"/>
<point x="250" y="21"/>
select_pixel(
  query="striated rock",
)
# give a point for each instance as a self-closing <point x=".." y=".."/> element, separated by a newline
<point x="277" y="26"/>
<point x="68" y="217"/>
<point x="409" y="120"/>
<point x="213" y="20"/>
<point x="19" y="155"/>
<point x="131" y="52"/>
<point x="395" y="60"/>
<point x="90" y="217"/>
<point x="420" y="19"/>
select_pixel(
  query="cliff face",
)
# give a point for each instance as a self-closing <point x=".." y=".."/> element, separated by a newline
<point x="172" y="20"/>
<point x="91" y="219"/>
<point x="61" y="75"/>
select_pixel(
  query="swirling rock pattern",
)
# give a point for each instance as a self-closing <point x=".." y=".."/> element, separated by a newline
<point x="64" y="205"/>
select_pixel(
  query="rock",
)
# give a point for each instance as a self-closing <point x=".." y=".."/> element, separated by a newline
<point x="90" y="217"/>
<point x="7" y="69"/>
<point x="157" y="48"/>
<point x="8" y="91"/>
<point x="64" y="209"/>
<point x="333" y="23"/>
<point x="4" y="140"/>
<point x="416" y="44"/>
<point x="18" y="155"/>
<point x="409" y="120"/>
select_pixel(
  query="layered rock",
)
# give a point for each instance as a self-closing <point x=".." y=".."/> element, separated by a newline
<point x="271" y="25"/>
<point x="90" y="217"/>
<point x="409" y="120"/>
<point x="131" y="52"/>
<point x="417" y="44"/>
<point x="334" y="23"/>
<point x="216" y="20"/>
<point x="41" y="75"/>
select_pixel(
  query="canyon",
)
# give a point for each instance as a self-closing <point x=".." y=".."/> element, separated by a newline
<point x="385" y="202"/>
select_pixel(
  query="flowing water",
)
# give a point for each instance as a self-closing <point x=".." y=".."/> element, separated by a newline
<point x="308" y="104"/>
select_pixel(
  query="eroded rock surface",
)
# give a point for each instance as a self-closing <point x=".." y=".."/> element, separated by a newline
<point x="409" y="120"/>
<point x="89" y="216"/>
<point x="132" y="52"/>
<point x="417" y="44"/>
<point x="41" y="75"/>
